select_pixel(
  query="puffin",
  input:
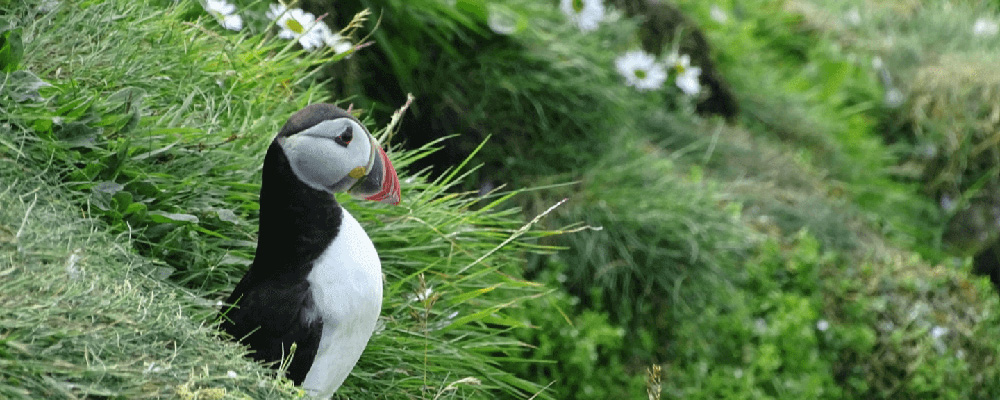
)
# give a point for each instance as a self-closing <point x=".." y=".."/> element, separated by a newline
<point x="316" y="280"/>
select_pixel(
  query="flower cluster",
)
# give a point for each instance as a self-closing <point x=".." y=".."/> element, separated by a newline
<point x="225" y="13"/>
<point x="687" y="75"/>
<point x="310" y="32"/>
<point x="293" y="24"/>
<point x="586" y="14"/>
<point x="985" y="27"/>
<point x="642" y="71"/>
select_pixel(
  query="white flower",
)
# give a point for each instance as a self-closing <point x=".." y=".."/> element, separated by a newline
<point x="687" y="76"/>
<point x="760" y="325"/>
<point x="231" y="374"/>
<point x="296" y="24"/>
<point x="985" y="27"/>
<point x="717" y="14"/>
<point x="641" y="70"/>
<point x="938" y="331"/>
<point x="947" y="203"/>
<point x="877" y="63"/>
<point x="894" y="98"/>
<point x="47" y="6"/>
<point x="822" y="325"/>
<point x="853" y="16"/>
<point x="334" y="40"/>
<point x="426" y="294"/>
<point x="225" y="13"/>
<point x="501" y="20"/>
<point x="586" y="14"/>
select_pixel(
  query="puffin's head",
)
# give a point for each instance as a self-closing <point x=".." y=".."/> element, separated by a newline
<point x="330" y="150"/>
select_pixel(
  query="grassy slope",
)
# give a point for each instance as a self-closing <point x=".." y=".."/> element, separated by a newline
<point x="81" y="315"/>
<point x="161" y="144"/>
<point x="944" y="75"/>
<point x="802" y="158"/>
<point x="815" y="109"/>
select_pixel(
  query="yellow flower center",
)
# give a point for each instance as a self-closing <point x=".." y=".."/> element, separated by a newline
<point x="578" y="6"/>
<point x="294" y="26"/>
<point x="640" y="73"/>
<point x="679" y="68"/>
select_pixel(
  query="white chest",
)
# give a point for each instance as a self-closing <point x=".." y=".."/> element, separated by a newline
<point x="346" y="286"/>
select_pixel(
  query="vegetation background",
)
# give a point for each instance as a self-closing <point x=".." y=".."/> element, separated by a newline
<point x="819" y="221"/>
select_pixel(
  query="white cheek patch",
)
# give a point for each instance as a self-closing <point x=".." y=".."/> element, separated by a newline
<point x="319" y="162"/>
<point x="322" y="163"/>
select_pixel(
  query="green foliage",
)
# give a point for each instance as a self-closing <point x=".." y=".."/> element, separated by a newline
<point x="412" y="32"/>
<point x="127" y="122"/>
<point x="823" y="104"/>
<point x="547" y="95"/>
<point x="760" y="340"/>
<point x="942" y="76"/>
<point x="664" y="239"/>
<point x="11" y="46"/>
<point x="578" y="349"/>
<point x="671" y="193"/>
<point x="934" y="325"/>
<point x="685" y="249"/>
<point x="165" y="147"/>
<point x="804" y="323"/>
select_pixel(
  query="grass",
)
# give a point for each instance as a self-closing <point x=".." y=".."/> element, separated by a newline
<point x="683" y="203"/>
<point x="164" y="148"/>
<point x="792" y="252"/>
<point x="821" y="104"/>
<point x="930" y="56"/>
<point x="84" y="316"/>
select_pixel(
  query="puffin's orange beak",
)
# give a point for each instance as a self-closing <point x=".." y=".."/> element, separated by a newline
<point x="380" y="183"/>
<point x="389" y="192"/>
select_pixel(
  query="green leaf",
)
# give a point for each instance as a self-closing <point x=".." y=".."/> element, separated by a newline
<point x="24" y="85"/>
<point x="123" y="109"/>
<point x="135" y="209"/>
<point x="162" y="217"/>
<point x="122" y="200"/>
<point x="11" y="46"/>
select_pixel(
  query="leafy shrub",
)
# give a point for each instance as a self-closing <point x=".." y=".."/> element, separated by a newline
<point x="935" y="330"/>
<point x="758" y="339"/>
<point x="803" y="323"/>
<point x="578" y="351"/>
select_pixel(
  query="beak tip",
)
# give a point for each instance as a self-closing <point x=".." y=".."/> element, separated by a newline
<point x="390" y="183"/>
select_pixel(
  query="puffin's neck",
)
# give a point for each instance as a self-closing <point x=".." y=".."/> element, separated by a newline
<point x="297" y="222"/>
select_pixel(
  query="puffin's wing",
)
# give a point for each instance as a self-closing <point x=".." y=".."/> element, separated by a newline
<point x="268" y="317"/>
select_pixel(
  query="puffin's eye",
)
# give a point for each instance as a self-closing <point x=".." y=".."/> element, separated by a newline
<point x="345" y="138"/>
